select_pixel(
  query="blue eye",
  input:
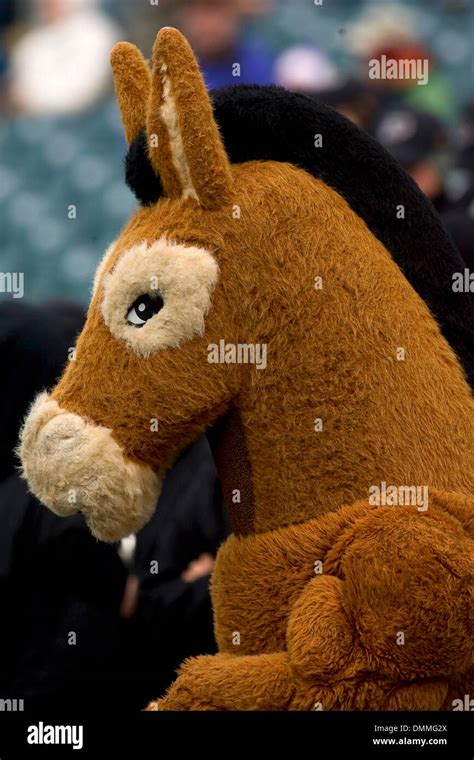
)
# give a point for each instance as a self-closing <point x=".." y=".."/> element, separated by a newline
<point x="144" y="308"/>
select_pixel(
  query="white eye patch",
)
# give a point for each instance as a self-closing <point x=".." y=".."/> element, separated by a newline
<point x="157" y="296"/>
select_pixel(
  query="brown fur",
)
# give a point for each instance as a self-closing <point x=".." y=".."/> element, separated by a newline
<point x="332" y="355"/>
<point x="298" y="473"/>
<point x="132" y="87"/>
<point x="336" y="343"/>
<point x="203" y="150"/>
<point x="339" y="628"/>
<point x="208" y="163"/>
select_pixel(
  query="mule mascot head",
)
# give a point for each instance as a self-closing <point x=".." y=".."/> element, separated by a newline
<point x="249" y="297"/>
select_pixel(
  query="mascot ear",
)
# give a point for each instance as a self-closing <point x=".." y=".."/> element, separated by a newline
<point x="184" y="143"/>
<point x="132" y="86"/>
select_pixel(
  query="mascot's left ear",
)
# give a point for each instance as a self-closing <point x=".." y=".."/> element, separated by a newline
<point x="184" y="144"/>
<point x="132" y="87"/>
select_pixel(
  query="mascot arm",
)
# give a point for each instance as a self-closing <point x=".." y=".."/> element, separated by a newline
<point x="386" y="626"/>
<point x="230" y="682"/>
<point x="398" y="607"/>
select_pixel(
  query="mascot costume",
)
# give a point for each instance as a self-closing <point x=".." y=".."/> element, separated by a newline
<point x="285" y="287"/>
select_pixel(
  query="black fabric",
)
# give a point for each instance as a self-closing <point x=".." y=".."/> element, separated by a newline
<point x="461" y="228"/>
<point x="139" y="174"/>
<point x="57" y="579"/>
<point x="270" y="123"/>
<point x="34" y="343"/>
<point x="174" y="618"/>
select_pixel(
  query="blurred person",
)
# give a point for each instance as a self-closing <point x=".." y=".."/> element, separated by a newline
<point x="226" y="55"/>
<point x="395" y="62"/>
<point x="8" y="15"/>
<point x="307" y="69"/>
<point x="82" y="618"/>
<point x="61" y="65"/>
<point x="460" y="181"/>
<point x="458" y="5"/>
<point x="169" y="609"/>
<point x="465" y="126"/>
<point x="60" y="590"/>
<point x="460" y="178"/>
<point x="354" y="100"/>
<point x="419" y="142"/>
<point x="255" y="9"/>
<point x="460" y="225"/>
<point x="380" y="25"/>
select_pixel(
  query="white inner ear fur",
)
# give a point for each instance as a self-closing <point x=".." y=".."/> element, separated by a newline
<point x="170" y="119"/>
<point x="184" y="277"/>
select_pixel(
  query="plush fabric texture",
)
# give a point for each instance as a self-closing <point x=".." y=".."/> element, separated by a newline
<point x="316" y="590"/>
<point x="205" y="155"/>
<point x="331" y="640"/>
<point x="170" y="118"/>
<point x="189" y="157"/>
<point x="132" y="87"/>
<point x="269" y="123"/>
<point x="139" y="172"/>
<point x="74" y="465"/>
<point x="332" y="354"/>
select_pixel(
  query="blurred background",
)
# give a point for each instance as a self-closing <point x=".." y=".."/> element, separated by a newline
<point x="139" y="608"/>
<point x="62" y="194"/>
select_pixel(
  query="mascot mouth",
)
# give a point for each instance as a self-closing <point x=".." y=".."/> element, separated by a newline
<point x="73" y="465"/>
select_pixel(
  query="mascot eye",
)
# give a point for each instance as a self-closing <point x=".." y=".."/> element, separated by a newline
<point x="143" y="309"/>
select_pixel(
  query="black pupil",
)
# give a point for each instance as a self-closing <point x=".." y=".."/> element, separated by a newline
<point x="146" y="306"/>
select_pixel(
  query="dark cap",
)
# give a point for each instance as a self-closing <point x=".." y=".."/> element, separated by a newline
<point x="408" y="134"/>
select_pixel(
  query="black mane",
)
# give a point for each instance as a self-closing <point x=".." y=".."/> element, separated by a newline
<point x="270" y="123"/>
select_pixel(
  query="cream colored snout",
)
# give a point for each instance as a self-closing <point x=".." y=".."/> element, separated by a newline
<point x="71" y="465"/>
